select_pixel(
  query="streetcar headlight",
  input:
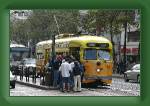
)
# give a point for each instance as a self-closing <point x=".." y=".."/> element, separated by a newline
<point x="98" y="70"/>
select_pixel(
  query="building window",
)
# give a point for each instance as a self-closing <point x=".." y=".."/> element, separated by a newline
<point x="134" y="36"/>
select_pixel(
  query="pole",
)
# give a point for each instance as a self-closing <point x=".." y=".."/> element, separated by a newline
<point x="51" y="62"/>
<point x="53" y="40"/>
<point x="53" y="48"/>
<point x="139" y="52"/>
<point x="124" y="48"/>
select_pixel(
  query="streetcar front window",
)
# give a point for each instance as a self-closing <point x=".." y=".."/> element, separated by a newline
<point x="103" y="54"/>
<point x="90" y="54"/>
<point x="16" y="56"/>
<point x="25" y="54"/>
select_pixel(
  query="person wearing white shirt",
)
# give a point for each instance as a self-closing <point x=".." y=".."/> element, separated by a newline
<point x="65" y="69"/>
<point x="72" y="65"/>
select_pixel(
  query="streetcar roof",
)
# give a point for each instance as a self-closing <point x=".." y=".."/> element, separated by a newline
<point x="16" y="45"/>
<point x="81" y="38"/>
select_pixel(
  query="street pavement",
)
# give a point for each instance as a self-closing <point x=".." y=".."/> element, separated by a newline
<point x="117" y="88"/>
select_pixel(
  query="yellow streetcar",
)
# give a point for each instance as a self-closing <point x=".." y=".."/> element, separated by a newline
<point x="94" y="52"/>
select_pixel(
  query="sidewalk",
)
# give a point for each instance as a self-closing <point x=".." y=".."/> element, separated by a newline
<point x="35" y="85"/>
<point x="115" y="75"/>
<point x="44" y="87"/>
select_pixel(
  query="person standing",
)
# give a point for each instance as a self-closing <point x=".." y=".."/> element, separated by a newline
<point x="82" y="70"/>
<point x="77" y="76"/>
<point x="71" y="73"/>
<point x="56" y="66"/>
<point x="65" y="69"/>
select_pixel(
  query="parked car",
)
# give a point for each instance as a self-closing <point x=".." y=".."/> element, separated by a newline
<point x="12" y="80"/>
<point x="133" y="73"/>
<point x="28" y="64"/>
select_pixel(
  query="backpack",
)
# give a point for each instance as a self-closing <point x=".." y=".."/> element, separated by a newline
<point x="76" y="70"/>
<point x="81" y="68"/>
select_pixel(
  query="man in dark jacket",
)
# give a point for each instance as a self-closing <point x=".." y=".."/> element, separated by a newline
<point x="56" y="66"/>
<point x="77" y="76"/>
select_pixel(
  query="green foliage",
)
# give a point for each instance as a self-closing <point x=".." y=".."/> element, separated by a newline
<point x="107" y="20"/>
<point x="41" y="25"/>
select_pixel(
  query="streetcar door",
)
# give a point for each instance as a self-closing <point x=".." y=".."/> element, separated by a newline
<point x="75" y="52"/>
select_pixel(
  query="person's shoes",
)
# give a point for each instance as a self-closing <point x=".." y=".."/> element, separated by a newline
<point x="74" y="91"/>
<point x="64" y="91"/>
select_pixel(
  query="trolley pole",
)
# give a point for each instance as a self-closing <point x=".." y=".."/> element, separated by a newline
<point x="56" y="24"/>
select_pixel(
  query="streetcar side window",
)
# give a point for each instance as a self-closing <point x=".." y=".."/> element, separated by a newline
<point x="90" y="54"/>
<point x="75" y="52"/>
<point x="40" y="56"/>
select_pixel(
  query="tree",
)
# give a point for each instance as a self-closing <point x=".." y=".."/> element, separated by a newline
<point x="126" y="16"/>
<point x="108" y="22"/>
<point x="94" y="21"/>
<point x="40" y="25"/>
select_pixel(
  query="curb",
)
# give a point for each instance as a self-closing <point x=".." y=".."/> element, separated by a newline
<point x="54" y="88"/>
<point x="118" y="76"/>
<point x="37" y="86"/>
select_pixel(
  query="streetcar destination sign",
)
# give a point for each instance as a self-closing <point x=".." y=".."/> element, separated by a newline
<point x="101" y="45"/>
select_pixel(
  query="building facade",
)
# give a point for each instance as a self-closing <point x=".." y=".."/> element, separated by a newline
<point x="19" y="14"/>
<point x="132" y="45"/>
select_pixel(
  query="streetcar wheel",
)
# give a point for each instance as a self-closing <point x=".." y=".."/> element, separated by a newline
<point x="84" y="85"/>
<point x="87" y="85"/>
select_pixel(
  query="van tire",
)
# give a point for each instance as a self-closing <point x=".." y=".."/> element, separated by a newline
<point x="125" y="78"/>
<point x="138" y="78"/>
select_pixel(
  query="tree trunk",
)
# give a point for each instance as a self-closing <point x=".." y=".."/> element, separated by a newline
<point x="98" y="30"/>
<point x="114" y="56"/>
